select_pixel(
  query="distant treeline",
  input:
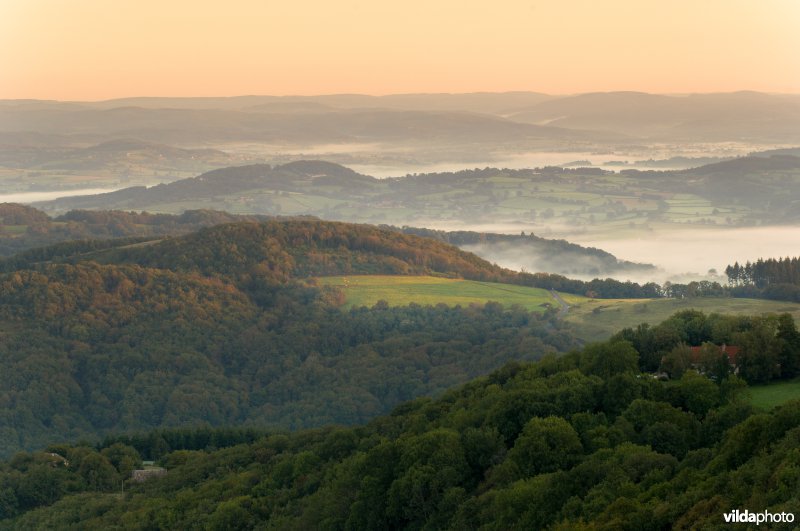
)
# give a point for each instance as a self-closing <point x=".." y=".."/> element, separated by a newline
<point x="771" y="278"/>
<point x="487" y="172"/>
<point x="24" y="227"/>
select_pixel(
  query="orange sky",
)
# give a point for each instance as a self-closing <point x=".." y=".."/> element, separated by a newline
<point x="99" y="49"/>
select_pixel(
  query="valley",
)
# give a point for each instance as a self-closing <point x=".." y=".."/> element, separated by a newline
<point x="687" y="224"/>
<point x="399" y="266"/>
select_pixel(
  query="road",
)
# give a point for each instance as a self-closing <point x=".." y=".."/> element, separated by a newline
<point x="564" y="306"/>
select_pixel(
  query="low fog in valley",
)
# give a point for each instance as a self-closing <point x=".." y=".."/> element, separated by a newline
<point x="673" y="199"/>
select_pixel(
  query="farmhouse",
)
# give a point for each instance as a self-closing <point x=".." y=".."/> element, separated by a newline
<point x="730" y="351"/>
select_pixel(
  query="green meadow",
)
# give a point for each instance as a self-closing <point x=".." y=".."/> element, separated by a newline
<point x="598" y="319"/>
<point x="593" y="319"/>
<point x="774" y="394"/>
<point x="367" y="290"/>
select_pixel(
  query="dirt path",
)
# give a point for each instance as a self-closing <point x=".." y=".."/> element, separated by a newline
<point x="564" y="306"/>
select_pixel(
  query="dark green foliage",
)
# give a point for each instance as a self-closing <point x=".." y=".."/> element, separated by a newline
<point x="607" y="359"/>
<point x="759" y="358"/>
<point x="777" y="279"/>
<point x="766" y="347"/>
<point x="677" y="456"/>
<point x="545" y="445"/>
<point x="789" y="356"/>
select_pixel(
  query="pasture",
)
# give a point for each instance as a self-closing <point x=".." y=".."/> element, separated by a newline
<point x="598" y="319"/>
<point x="592" y="319"/>
<point x="366" y="290"/>
<point x="774" y="394"/>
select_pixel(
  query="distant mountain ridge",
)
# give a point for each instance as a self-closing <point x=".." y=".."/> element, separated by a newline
<point x="445" y="117"/>
<point x="181" y="126"/>
<point x="119" y="154"/>
<point x="748" y="115"/>
<point x="490" y="102"/>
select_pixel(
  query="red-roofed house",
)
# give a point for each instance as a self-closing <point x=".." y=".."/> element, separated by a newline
<point x="731" y="351"/>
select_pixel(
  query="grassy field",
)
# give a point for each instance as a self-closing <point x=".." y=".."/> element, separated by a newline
<point x="593" y="319"/>
<point x="14" y="229"/>
<point x="403" y="290"/>
<point x="774" y="394"/>
<point x="597" y="319"/>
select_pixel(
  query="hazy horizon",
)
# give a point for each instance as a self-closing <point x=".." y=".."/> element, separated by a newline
<point x="391" y="94"/>
<point x="87" y="50"/>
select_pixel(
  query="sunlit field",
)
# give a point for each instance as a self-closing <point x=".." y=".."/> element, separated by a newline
<point x="593" y="319"/>
<point x="404" y="290"/>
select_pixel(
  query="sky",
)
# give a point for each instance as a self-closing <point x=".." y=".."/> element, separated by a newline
<point x="101" y="49"/>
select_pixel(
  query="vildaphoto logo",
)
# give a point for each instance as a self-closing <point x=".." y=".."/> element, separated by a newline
<point x="763" y="517"/>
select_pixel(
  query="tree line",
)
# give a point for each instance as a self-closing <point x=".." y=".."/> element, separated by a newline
<point x="771" y="278"/>
<point x="767" y="347"/>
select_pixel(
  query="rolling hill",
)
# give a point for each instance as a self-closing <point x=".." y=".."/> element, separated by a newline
<point x="743" y="191"/>
<point x="120" y="155"/>
<point x="225" y="326"/>
<point x="188" y="125"/>
<point x="23" y="228"/>
<point x="709" y="117"/>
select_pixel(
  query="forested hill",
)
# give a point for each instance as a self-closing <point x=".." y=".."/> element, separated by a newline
<point x="218" y="327"/>
<point x="293" y="176"/>
<point x="277" y="250"/>
<point x="747" y="190"/>
<point x="24" y="227"/>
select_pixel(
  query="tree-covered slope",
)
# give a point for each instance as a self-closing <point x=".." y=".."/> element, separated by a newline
<point x="582" y="441"/>
<point x="295" y="248"/>
<point x="23" y="227"/>
<point x="218" y="327"/>
<point x="225" y="326"/>
<point x="303" y="248"/>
